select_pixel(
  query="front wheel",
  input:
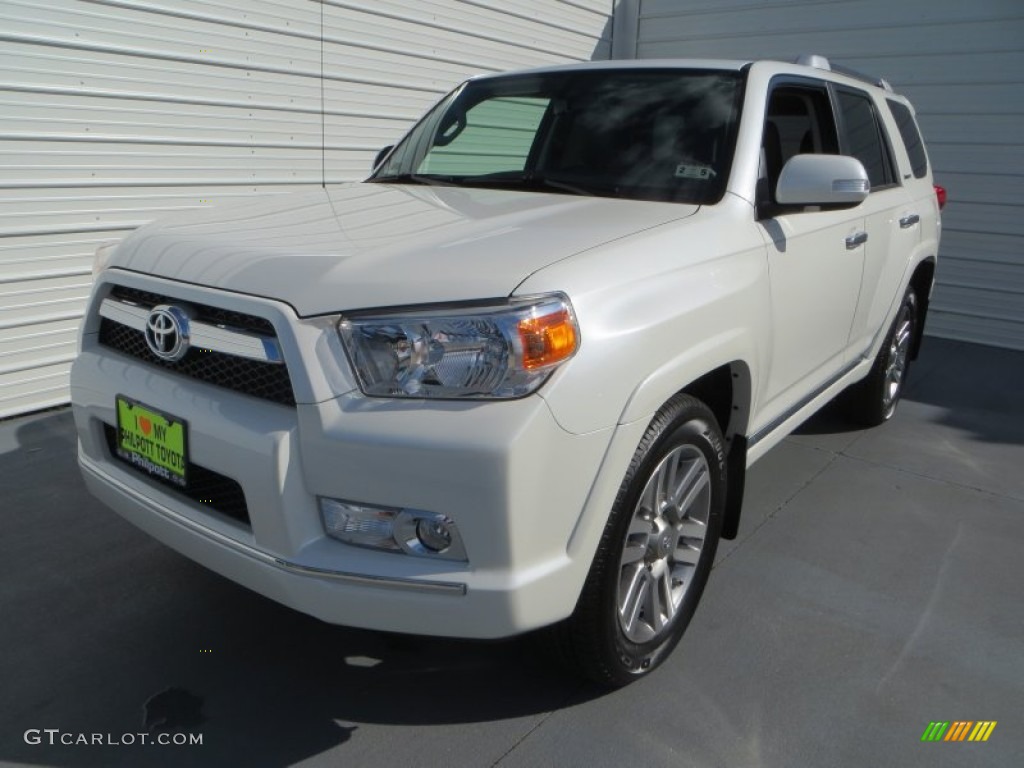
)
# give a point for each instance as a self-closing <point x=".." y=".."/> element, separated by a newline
<point x="656" y="551"/>
<point x="874" y="399"/>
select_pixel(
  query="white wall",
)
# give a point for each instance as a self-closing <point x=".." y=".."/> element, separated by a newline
<point x="961" y="64"/>
<point x="113" y="112"/>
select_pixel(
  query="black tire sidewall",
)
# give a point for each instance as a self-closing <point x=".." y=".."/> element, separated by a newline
<point x="864" y="402"/>
<point x="693" y="425"/>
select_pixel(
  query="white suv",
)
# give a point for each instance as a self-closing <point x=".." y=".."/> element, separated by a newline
<point x="514" y="379"/>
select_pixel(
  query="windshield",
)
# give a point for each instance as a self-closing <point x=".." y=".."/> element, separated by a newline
<point x="639" y="134"/>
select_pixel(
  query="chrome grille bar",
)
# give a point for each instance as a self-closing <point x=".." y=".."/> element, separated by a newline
<point x="251" y="346"/>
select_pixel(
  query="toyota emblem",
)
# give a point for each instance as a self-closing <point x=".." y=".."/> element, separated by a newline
<point x="167" y="332"/>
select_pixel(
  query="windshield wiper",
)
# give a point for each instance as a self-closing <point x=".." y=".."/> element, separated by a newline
<point x="427" y="179"/>
<point x="535" y="182"/>
<point x="564" y="186"/>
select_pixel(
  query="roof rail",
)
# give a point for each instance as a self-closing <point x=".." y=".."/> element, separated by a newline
<point x="820" y="62"/>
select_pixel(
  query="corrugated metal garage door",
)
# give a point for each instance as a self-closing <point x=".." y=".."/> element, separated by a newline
<point x="113" y="112"/>
<point x="961" y="64"/>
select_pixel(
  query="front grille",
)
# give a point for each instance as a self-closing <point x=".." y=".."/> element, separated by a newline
<point x="204" y="313"/>
<point x="269" y="381"/>
<point x="209" y="489"/>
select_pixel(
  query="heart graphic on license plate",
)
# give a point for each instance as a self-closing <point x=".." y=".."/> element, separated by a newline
<point x="154" y="442"/>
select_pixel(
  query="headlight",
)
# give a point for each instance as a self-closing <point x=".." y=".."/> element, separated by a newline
<point x="491" y="352"/>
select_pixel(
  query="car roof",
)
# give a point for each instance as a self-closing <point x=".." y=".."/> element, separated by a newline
<point x="627" y="64"/>
<point x="821" y="68"/>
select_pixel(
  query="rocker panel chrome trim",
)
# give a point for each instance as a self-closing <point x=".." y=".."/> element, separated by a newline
<point x="790" y="412"/>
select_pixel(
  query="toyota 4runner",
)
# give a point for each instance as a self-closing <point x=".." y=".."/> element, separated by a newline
<point x="514" y="379"/>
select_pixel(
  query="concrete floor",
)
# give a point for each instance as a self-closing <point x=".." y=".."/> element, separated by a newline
<point x="875" y="586"/>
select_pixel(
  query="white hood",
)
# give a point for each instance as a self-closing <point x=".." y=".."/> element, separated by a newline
<point x="364" y="245"/>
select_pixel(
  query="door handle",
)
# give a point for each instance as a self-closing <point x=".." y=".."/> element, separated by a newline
<point x="858" y="238"/>
<point x="909" y="220"/>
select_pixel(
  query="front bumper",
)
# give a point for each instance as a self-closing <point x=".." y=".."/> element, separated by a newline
<point x="514" y="481"/>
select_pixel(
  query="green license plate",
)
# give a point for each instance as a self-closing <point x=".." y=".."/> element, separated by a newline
<point x="153" y="441"/>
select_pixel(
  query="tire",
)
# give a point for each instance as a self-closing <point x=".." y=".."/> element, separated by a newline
<point x="873" y="400"/>
<point x="656" y="551"/>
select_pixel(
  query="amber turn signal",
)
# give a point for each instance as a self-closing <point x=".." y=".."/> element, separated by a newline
<point x="547" y="339"/>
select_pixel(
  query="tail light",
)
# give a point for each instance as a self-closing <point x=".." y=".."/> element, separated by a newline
<point x="940" y="194"/>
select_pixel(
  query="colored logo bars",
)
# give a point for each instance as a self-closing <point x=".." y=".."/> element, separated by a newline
<point x="959" y="730"/>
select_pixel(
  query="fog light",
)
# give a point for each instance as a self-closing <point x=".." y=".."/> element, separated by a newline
<point x="412" y="531"/>
<point x="433" y="534"/>
<point x="359" y="524"/>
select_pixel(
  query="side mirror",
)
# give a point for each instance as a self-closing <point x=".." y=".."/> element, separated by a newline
<point x="826" y="180"/>
<point x="381" y="155"/>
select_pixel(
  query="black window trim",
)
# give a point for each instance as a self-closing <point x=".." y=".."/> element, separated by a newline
<point x="801" y="81"/>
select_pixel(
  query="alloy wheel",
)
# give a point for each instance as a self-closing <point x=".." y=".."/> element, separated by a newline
<point x="663" y="544"/>
<point x="896" y="362"/>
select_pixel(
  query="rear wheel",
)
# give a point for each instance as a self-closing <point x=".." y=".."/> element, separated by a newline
<point x="656" y="551"/>
<point x="874" y="399"/>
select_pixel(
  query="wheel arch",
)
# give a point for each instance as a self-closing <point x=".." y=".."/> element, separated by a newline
<point x="921" y="281"/>
<point x="720" y="370"/>
<point x="727" y="389"/>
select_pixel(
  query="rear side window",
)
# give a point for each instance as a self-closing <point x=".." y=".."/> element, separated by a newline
<point x="911" y="137"/>
<point x="864" y="137"/>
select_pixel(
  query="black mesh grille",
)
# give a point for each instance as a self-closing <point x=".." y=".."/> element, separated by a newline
<point x="269" y="381"/>
<point x="209" y="489"/>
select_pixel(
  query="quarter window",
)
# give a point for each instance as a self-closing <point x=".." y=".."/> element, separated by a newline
<point x="911" y="137"/>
